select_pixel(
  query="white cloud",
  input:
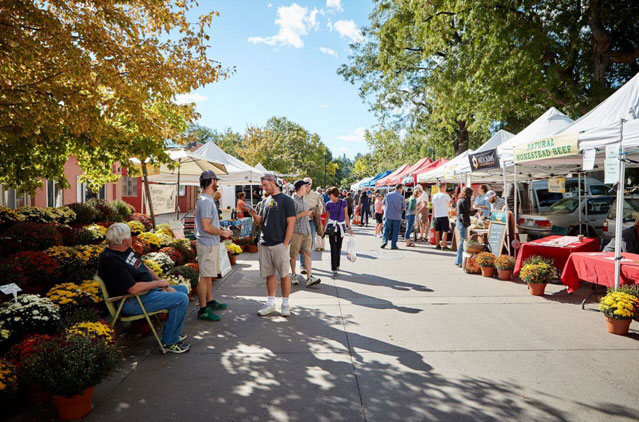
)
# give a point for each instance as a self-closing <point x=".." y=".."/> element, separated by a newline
<point x="347" y="29"/>
<point x="343" y="149"/>
<point x="358" y="136"/>
<point x="328" y="51"/>
<point x="294" y="22"/>
<point x="269" y="5"/>
<point x="323" y="105"/>
<point x="334" y="5"/>
<point x="190" y="98"/>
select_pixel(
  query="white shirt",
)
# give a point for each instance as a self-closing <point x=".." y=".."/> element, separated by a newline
<point x="423" y="198"/>
<point x="440" y="204"/>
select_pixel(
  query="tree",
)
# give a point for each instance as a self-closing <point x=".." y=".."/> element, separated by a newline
<point x="96" y="79"/>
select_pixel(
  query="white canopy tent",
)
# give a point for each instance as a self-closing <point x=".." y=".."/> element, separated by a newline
<point x="445" y="172"/>
<point x="495" y="141"/>
<point x="358" y="185"/>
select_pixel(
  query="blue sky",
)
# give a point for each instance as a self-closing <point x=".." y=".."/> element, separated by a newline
<point x="286" y="55"/>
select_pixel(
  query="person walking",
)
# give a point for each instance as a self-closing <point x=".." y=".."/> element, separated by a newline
<point x="349" y="202"/>
<point x="277" y="221"/>
<point x="208" y="233"/>
<point x="441" y="202"/>
<point x="315" y="204"/>
<point x="335" y="227"/>
<point x="411" y="211"/>
<point x="365" y="208"/>
<point x="379" y="215"/>
<point x="464" y="210"/>
<point x="301" y="242"/>
<point x="422" y="218"/>
<point x="395" y="205"/>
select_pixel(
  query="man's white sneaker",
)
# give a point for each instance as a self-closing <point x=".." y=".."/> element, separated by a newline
<point x="286" y="310"/>
<point x="312" y="280"/>
<point x="267" y="309"/>
<point x="294" y="279"/>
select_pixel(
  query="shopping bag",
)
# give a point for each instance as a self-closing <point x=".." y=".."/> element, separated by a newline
<point x="350" y="249"/>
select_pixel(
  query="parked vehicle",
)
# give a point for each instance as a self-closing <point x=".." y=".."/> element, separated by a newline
<point x="630" y="214"/>
<point x="563" y="218"/>
<point x="543" y="200"/>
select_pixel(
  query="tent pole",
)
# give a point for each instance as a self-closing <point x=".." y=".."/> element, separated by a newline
<point x="586" y="193"/>
<point x="177" y="196"/>
<point x="619" y="211"/>
<point x="516" y="193"/>
<point x="148" y="193"/>
<point x="505" y="196"/>
<point x="579" y="191"/>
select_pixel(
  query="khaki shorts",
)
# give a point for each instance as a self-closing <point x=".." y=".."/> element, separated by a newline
<point x="300" y="243"/>
<point x="274" y="259"/>
<point x="208" y="258"/>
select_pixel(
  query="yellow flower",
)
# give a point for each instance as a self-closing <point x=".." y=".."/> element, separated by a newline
<point x="94" y="330"/>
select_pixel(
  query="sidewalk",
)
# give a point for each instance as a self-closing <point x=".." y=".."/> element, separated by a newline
<point x="401" y="336"/>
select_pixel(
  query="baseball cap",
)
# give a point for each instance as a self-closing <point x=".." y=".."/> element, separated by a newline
<point x="299" y="183"/>
<point x="208" y="175"/>
<point x="269" y="176"/>
<point x="490" y="194"/>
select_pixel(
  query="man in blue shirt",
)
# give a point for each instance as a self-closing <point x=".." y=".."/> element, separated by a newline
<point x="482" y="203"/>
<point x="395" y="205"/>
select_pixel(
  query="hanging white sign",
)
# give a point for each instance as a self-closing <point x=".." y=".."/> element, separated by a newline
<point x="589" y="159"/>
<point x="557" y="185"/>
<point x="611" y="165"/>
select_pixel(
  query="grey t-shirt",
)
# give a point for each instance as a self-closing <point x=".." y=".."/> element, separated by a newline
<point x="205" y="208"/>
<point x="276" y="210"/>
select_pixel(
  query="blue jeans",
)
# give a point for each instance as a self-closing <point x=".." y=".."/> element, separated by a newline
<point x="391" y="231"/>
<point x="177" y="303"/>
<point x="462" y="235"/>
<point x="410" y="222"/>
<point x="313" y="232"/>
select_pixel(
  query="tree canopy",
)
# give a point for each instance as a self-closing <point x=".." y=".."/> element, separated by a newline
<point x="95" y="79"/>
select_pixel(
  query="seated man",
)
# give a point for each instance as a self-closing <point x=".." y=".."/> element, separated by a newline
<point x="124" y="273"/>
<point x="629" y="240"/>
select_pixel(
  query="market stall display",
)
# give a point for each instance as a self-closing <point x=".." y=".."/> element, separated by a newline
<point x="599" y="268"/>
<point x="241" y="228"/>
<point x="557" y="248"/>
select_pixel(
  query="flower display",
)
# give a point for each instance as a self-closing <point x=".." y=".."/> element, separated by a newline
<point x="537" y="272"/>
<point x="8" y="376"/>
<point x="505" y="262"/>
<point x="70" y="235"/>
<point x="105" y="212"/>
<point x="193" y="265"/>
<point x="136" y="216"/>
<point x="184" y="247"/>
<point x="25" y="348"/>
<point x="94" y="330"/>
<point x="619" y="305"/>
<point x="92" y="288"/>
<point x="70" y="298"/>
<point x="9" y="217"/>
<point x="486" y="259"/>
<point x="232" y="248"/>
<point x="140" y="246"/>
<point x="178" y="280"/>
<point x="164" y="240"/>
<point x="31" y="313"/>
<point x="164" y="229"/>
<point x="174" y="254"/>
<point x="76" y="262"/>
<point x="191" y="274"/>
<point x="121" y="210"/>
<point x="85" y="213"/>
<point x="29" y="236"/>
<point x="152" y="239"/>
<point x="62" y="215"/>
<point x="136" y="227"/>
<point x="94" y="233"/>
<point x="37" y="270"/>
<point x="161" y="259"/>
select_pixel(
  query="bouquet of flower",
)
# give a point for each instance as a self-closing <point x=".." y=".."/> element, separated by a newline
<point x="37" y="270"/>
<point x="172" y="253"/>
<point x="93" y="330"/>
<point x="232" y="248"/>
<point x="537" y="272"/>
<point x="31" y="313"/>
<point x="136" y="227"/>
<point x="178" y="280"/>
<point x="619" y="305"/>
<point x="8" y="378"/>
<point x="29" y="236"/>
<point x="486" y="259"/>
<point x="188" y="273"/>
<point x="152" y="239"/>
<point x="136" y="216"/>
<point x="505" y="262"/>
<point x="68" y="365"/>
<point x="94" y="233"/>
<point x="162" y="259"/>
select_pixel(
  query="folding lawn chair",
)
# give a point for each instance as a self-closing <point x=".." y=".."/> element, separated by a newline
<point x="115" y="314"/>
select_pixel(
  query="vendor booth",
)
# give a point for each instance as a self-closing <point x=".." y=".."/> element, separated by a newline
<point x="385" y="182"/>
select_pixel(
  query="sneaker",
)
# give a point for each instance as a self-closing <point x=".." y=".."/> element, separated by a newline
<point x="312" y="280"/>
<point x="178" y="348"/>
<point x="384" y="245"/>
<point x="182" y="338"/>
<point x="446" y="249"/>
<point x="216" y="306"/>
<point x="334" y="273"/>
<point x="208" y="315"/>
<point x="286" y="311"/>
<point x="267" y="309"/>
<point x="294" y="279"/>
<point x="303" y="271"/>
<point x="394" y="248"/>
<point x="438" y="247"/>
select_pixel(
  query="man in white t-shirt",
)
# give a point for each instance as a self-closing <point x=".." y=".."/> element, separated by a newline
<point x="441" y="203"/>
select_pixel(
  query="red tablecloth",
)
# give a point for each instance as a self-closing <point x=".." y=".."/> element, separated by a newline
<point x="599" y="268"/>
<point x="558" y="255"/>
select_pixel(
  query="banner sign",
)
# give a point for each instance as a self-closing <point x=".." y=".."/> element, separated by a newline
<point x="484" y="160"/>
<point x="546" y="148"/>
<point x="163" y="197"/>
<point x="557" y="185"/>
<point x="611" y="165"/>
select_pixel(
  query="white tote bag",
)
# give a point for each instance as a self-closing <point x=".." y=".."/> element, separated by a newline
<point x="350" y="249"/>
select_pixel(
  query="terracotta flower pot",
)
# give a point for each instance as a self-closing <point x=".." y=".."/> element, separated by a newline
<point x="75" y="407"/>
<point x="251" y="248"/>
<point x="488" y="271"/>
<point x="506" y="275"/>
<point x="536" y="289"/>
<point x="233" y="259"/>
<point x="618" y="326"/>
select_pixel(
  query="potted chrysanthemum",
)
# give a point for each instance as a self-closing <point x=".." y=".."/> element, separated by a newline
<point x="486" y="262"/>
<point x="537" y="272"/>
<point x="505" y="265"/>
<point x="619" y="308"/>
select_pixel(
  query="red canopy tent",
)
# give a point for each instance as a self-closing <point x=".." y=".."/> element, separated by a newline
<point x="384" y="181"/>
<point x="423" y="169"/>
<point x="398" y="178"/>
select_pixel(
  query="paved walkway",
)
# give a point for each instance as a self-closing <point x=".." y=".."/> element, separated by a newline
<point x="399" y="336"/>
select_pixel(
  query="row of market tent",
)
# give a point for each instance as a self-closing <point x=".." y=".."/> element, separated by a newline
<point x="607" y="137"/>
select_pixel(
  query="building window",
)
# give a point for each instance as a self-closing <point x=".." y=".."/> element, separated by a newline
<point x="12" y="199"/>
<point x="54" y="194"/>
<point x="129" y="186"/>
<point x="84" y="193"/>
<point x="182" y="190"/>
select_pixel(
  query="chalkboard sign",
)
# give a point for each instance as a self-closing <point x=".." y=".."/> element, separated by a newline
<point x="497" y="232"/>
